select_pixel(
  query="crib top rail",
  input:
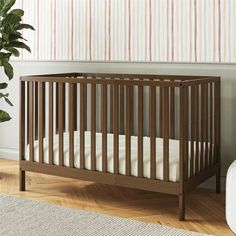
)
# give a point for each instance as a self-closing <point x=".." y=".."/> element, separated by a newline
<point x="124" y="79"/>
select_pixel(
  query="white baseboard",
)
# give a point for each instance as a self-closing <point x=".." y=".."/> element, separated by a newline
<point x="9" y="153"/>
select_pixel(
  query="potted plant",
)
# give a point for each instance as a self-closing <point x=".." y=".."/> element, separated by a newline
<point x="11" y="40"/>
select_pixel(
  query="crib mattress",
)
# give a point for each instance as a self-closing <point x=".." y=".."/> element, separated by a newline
<point x="173" y="154"/>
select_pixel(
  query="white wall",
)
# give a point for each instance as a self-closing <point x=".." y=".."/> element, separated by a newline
<point x="9" y="130"/>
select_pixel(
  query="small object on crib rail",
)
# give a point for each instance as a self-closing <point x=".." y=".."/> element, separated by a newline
<point x="231" y="197"/>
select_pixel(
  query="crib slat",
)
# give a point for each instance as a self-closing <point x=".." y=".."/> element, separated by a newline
<point x="140" y="131"/>
<point x="197" y="129"/>
<point x="31" y="121"/>
<point x="203" y="100"/>
<point x="206" y="127"/>
<point x="217" y="114"/>
<point x="132" y="110"/>
<point x="85" y="107"/>
<point x="44" y="109"/>
<point x="215" y="123"/>
<point x="161" y="110"/>
<point x="71" y="123"/>
<point x="41" y="125"/>
<point x="166" y="135"/>
<point x="93" y="126"/>
<point x="63" y="105"/>
<point x="75" y="106"/>
<point x="61" y="122"/>
<point x="116" y="128"/>
<point x="192" y="130"/>
<point x="128" y="131"/>
<point x="57" y="107"/>
<point x="36" y="112"/>
<point x="187" y="131"/>
<point x="82" y="124"/>
<point x="172" y="112"/>
<point x="122" y="105"/>
<point x="181" y="133"/>
<point x="104" y="128"/>
<point x="111" y="108"/>
<point x="27" y="112"/>
<point x="152" y="127"/>
<point x="50" y="123"/>
<point x="211" y="125"/>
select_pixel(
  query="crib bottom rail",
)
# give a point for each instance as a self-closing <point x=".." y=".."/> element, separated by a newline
<point x="101" y="177"/>
<point x="119" y="180"/>
<point x="203" y="176"/>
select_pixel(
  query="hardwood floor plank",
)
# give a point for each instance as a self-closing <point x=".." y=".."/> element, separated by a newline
<point x="204" y="213"/>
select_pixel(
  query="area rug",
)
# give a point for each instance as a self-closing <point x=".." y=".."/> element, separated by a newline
<point x="26" y="218"/>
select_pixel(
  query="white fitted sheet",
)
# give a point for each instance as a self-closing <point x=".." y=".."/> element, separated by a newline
<point x="173" y="154"/>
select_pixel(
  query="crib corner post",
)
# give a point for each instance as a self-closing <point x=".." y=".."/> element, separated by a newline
<point x="182" y="206"/>
<point x="218" y="134"/>
<point x="218" y="181"/>
<point x="21" y="180"/>
<point x="182" y="152"/>
<point x="21" y="133"/>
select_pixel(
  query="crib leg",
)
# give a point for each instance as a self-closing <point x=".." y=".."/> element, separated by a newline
<point x="182" y="207"/>
<point x="218" y="182"/>
<point x="22" y="180"/>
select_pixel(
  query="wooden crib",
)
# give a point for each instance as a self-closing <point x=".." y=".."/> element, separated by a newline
<point x="133" y="116"/>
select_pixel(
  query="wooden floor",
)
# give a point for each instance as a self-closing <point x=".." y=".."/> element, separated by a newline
<point x="205" y="209"/>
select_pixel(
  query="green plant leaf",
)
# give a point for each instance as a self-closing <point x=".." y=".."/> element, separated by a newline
<point x="10" y="22"/>
<point x="18" y="44"/>
<point x="5" y="6"/>
<point x="4" y="116"/>
<point x="3" y="85"/>
<point x="14" y="36"/>
<point x="24" y="26"/>
<point x="8" y="69"/>
<point x="12" y="18"/>
<point x="17" y="12"/>
<point x="4" y="56"/>
<point x="5" y="96"/>
<point x="2" y="95"/>
<point x="8" y="101"/>
<point x="14" y="51"/>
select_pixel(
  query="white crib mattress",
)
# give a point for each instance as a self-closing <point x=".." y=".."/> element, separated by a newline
<point x="173" y="154"/>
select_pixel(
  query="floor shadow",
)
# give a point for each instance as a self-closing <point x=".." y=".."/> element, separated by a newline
<point x="7" y="175"/>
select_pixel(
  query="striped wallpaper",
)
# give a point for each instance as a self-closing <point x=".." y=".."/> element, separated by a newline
<point x="131" y="30"/>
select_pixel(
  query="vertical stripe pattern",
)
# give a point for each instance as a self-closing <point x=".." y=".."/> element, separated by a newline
<point x="131" y="30"/>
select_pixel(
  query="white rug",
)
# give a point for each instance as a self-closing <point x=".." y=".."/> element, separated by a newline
<point x="31" y="218"/>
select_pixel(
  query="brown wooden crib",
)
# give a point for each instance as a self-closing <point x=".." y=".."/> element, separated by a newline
<point x="153" y="132"/>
